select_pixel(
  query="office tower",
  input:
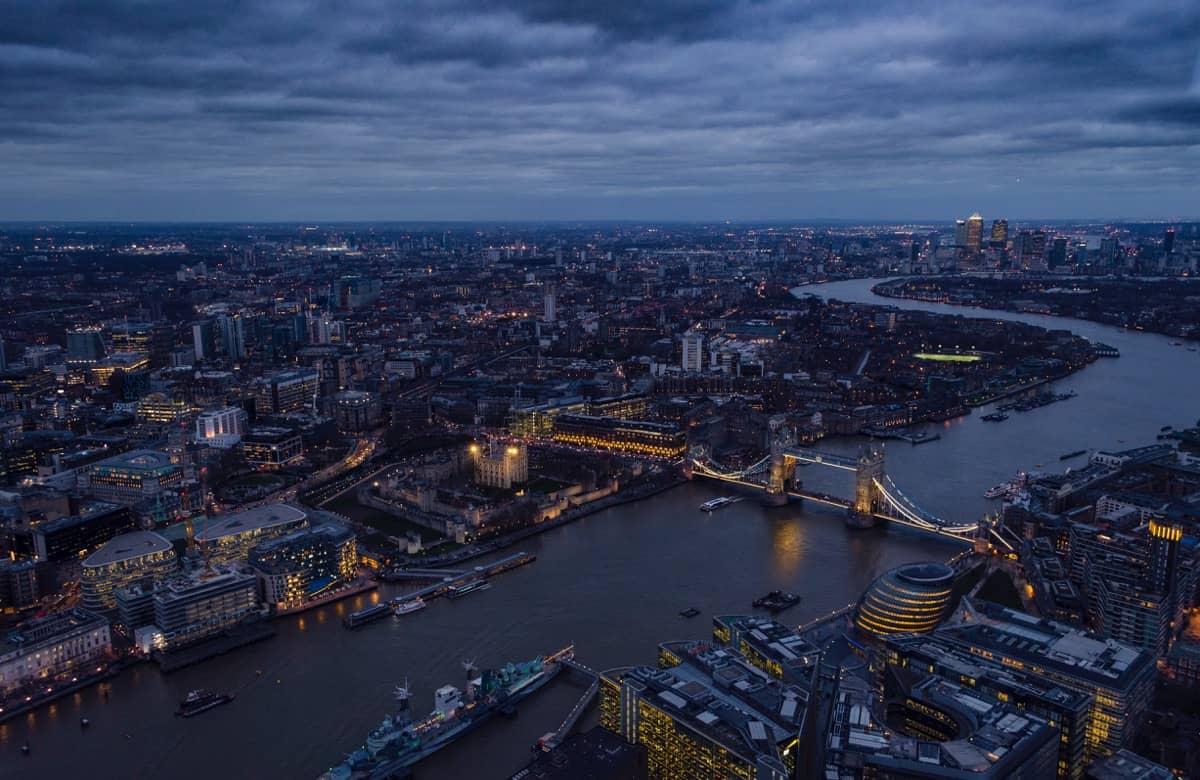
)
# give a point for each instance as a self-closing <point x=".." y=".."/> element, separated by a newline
<point x="204" y="343"/>
<point x="1033" y="248"/>
<point x="3" y="359"/>
<point x="85" y="346"/>
<point x="960" y="232"/>
<point x="286" y="391"/>
<point x="1119" y="678"/>
<point x="233" y="337"/>
<point x="705" y="712"/>
<point x="999" y="233"/>
<point x="693" y="351"/>
<point x="1057" y="256"/>
<point x="974" y="233"/>
<point x="1169" y="241"/>
<point x="1108" y="252"/>
<point x="550" y="301"/>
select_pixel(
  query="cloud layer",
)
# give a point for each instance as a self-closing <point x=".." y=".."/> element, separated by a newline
<point x="532" y="109"/>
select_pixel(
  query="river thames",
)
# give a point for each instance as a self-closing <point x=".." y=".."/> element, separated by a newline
<point x="612" y="583"/>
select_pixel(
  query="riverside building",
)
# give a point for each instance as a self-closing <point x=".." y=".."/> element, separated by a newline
<point x="126" y="559"/>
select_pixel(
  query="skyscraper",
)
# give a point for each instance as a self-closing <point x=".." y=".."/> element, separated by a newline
<point x="1169" y="241"/>
<point x="1033" y="248"/>
<point x="1057" y="256"/>
<point x="974" y="233"/>
<point x="960" y="232"/>
<point x="550" y="303"/>
<point x="693" y="352"/>
<point x="999" y="233"/>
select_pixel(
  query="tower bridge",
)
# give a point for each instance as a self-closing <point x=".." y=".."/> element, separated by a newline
<point x="876" y="497"/>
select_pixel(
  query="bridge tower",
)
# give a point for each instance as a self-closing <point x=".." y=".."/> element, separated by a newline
<point x="868" y="499"/>
<point x="782" y="436"/>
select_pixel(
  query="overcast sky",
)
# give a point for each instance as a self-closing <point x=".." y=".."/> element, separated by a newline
<point x="541" y="109"/>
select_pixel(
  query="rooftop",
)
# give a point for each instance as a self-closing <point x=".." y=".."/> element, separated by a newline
<point x="255" y="519"/>
<point x="1124" y="765"/>
<point x="138" y="459"/>
<point x="127" y="547"/>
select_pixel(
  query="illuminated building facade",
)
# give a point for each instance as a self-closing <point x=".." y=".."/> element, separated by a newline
<point x="630" y="437"/>
<point x="939" y="730"/>
<point x="539" y="420"/>
<point x="127" y="363"/>
<point x="709" y="714"/>
<point x="221" y="427"/>
<point x="913" y="598"/>
<point x="124" y="560"/>
<point x="286" y="391"/>
<point x="499" y="465"/>
<point x="299" y="566"/>
<point x="229" y="537"/>
<point x="133" y="476"/>
<point x="60" y="644"/>
<point x="189" y="608"/>
<point x="160" y="408"/>
<point x="770" y="646"/>
<point x="907" y="656"/>
<point x="1117" y="678"/>
<point x="272" y="447"/>
<point x="974" y="233"/>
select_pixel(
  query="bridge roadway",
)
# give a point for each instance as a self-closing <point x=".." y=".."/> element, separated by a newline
<point x="898" y="507"/>
<point x="556" y="737"/>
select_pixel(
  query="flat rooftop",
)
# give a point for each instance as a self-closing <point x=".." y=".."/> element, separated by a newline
<point x="255" y="519"/>
<point x="128" y="546"/>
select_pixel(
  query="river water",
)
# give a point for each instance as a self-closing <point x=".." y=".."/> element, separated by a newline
<point x="612" y="583"/>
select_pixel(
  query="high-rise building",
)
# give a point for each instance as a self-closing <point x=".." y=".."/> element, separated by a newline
<point x="1056" y="256"/>
<point x="233" y="336"/>
<point x="693" y="351"/>
<point x="85" y="346"/>
<point x="974" y="233"/>
<point x="550" y="305"/>
<point x="999" y="238"/>
<point x="960" y="232"/>
<point x="1033" y="249"/>
<point x="203" y="340"/>
<point x="1169" y="241"/>
<point x="221" y="427"/>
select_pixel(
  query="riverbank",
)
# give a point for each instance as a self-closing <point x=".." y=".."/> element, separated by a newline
<point x="998" y="295"/>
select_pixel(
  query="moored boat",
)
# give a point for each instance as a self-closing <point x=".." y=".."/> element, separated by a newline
<point x="200" y="700"/>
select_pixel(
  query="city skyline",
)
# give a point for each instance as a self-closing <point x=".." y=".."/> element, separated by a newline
<point x="746" y="112"/>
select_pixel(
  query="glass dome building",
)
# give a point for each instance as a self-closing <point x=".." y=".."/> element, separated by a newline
<point x="909" y="599"/>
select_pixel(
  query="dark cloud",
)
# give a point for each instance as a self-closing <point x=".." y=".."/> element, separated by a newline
<point x="548" y="108"/>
